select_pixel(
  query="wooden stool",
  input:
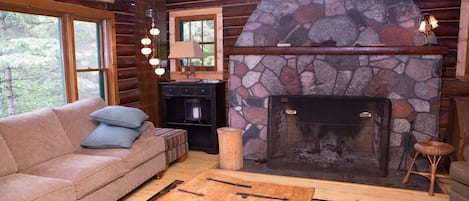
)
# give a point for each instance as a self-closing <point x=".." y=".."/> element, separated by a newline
<point x="434" y="151"/>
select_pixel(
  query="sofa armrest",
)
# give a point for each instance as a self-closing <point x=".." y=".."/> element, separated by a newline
<point x="149" y="130"/>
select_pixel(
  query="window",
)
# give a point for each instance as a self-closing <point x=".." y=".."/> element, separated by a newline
<point x="49" y="58"/>
<point x="202" y="30"/>
<point x="30" y="78"/>
<point x="90" y="72"/>
<point x="206" y="27"/>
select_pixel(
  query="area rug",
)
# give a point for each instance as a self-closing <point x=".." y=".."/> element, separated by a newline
<point x="393" y="179"/>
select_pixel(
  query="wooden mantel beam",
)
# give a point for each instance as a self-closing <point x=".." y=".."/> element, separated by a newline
<point x="343" y="50"/>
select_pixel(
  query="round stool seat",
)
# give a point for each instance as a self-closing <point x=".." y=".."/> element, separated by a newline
<point x="434" y="148"/>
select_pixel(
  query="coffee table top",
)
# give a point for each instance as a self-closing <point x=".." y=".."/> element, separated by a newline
<point x="216" y="185"/>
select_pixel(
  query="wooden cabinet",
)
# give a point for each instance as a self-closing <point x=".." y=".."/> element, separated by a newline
<point x="197" y="107"/>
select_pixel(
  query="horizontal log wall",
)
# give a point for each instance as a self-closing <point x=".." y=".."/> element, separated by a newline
<point x="447" y="14"/>
<point x="137" y="82"/>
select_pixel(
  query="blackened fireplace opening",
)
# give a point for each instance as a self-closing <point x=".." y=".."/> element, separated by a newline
<point x="347" y="135"/>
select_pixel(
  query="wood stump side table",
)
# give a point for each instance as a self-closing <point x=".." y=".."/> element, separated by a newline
<point x="230" y="143"/>
<point x="434" y="151"/>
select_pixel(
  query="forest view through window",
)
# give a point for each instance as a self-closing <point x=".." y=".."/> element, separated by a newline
<point x="33" y="66"/>
<point x="31" y="72"/>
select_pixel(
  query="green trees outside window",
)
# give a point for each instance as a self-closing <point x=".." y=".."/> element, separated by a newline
<point x="32" y="67"/>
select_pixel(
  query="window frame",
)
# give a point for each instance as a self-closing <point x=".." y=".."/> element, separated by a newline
<point x="67" y="13"/>
<point x="101" y="68"/>
<point x="462" y="65"/>
<point x="217" y="72"/>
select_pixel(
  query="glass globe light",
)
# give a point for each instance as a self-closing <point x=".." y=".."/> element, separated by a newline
<point x="159" y="71"/>
<point x="146" y="51"/>
<point x="154" y="61"/>
<point x="423" y="26"/>
<point x="154" y="31"/>
<point x="145" y="41"/>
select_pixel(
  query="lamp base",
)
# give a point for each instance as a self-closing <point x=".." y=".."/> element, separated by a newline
<point x="188" y="71"/>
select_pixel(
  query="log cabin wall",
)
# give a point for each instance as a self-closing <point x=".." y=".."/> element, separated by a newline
<point x="447" y="13"/>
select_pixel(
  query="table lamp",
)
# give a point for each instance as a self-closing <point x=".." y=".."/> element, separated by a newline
<point x="186" y="50"/>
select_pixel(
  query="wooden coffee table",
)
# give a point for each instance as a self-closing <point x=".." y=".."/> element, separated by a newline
<point x="226" y="185"/>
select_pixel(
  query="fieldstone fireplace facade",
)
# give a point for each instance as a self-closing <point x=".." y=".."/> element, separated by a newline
<point x="412" y="82"/>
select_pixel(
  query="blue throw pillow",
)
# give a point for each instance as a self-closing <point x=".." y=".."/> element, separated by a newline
<point x="107" y="136"/>
<point x="123" y="116"/>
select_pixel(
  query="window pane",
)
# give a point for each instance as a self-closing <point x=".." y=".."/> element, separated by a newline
<point x="209" y="31"/>
<point x="196" y="31"/>
<point x="209" y="54"/>
<point x="90" y="84"/>
<point x="185" y="31"/>
<point x="31" y="70"/>
<point x="87" y="45"/>
<point x="196" y="62"/>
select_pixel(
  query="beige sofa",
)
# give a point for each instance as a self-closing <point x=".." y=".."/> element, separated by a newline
<point x="41" y="158"/>
<point x="459" y="173"/>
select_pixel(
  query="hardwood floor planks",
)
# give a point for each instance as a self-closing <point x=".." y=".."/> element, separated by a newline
<point x="324" y="190"/>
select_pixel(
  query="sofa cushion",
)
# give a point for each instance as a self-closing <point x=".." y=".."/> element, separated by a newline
<point x="120" y="116"/>
<point x="142" y="150"/>
<point x="7" y="162"/>
<point x="21" y="187"/>
<point x="76" y="120"/>
<point x="34" y="137"/>
<point x="87" y="173"/>
<point x="107" y="136"/>
<point x="459" y="171"/>
<point x="459" y="190"/>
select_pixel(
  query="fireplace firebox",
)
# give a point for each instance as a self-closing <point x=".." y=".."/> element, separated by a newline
<point x="329" y="133"/>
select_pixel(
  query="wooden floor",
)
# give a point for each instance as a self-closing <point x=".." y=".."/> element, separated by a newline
<point x="325" y="190"/>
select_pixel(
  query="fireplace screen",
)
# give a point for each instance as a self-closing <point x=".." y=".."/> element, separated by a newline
<point x="328" y="133"/>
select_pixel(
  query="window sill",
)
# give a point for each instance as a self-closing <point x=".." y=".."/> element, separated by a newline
<point x="209" y="75"/>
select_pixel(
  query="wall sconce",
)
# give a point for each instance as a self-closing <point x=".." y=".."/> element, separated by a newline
<point x="427" y="23"/>
<point x="150" y="41"/>
<point x="186" y="50"/>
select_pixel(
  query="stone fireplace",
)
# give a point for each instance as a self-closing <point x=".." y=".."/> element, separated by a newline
<point x="410" y="81"/>
<point x="329" y="133"/>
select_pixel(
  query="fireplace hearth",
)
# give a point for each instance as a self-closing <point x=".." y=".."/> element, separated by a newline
<point x="328" y="133"/>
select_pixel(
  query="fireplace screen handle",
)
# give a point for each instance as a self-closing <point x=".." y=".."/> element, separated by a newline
<point x="290" y="111"/>
<point x="365" y="114"/>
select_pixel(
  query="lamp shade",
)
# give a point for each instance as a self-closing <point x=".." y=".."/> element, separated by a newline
<point x="186" y="49"/>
